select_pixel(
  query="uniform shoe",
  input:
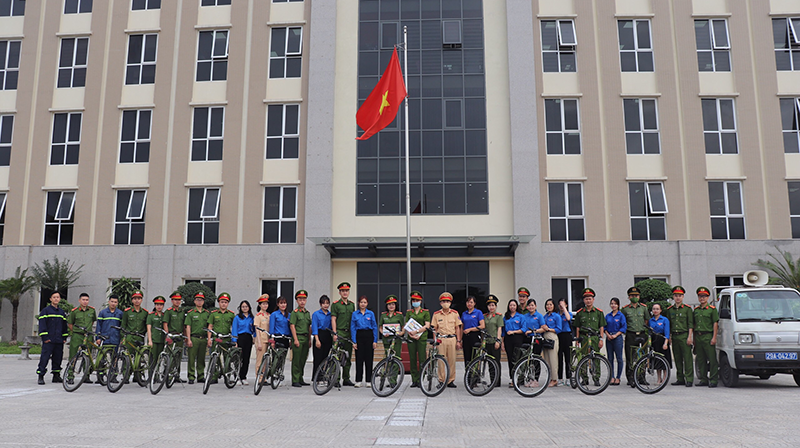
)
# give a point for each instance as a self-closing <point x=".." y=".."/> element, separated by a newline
<point x="414" y="384"/>
<point x="41" y="380"/>
<point x="451" y="385"/>
<point x="678" y="383"/>
<point x="302" y="382"/>
<point x="702" y="383"/>
<point x="214" y="381"/>
<point x="191" y="381"/>
<point x="348" y="383"/>
<point x="57" y="378"/>
<point x="712" y="385"/>
<point x="297" y="385"/>
<point x="688" y="384"/>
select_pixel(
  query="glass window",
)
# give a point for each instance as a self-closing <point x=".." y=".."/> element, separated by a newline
<point x="562" y="126"/>
<point x="215" y="2"/>
<point x="280" y="215"/>
<point x="727" y="210"/>
<point x="719" y="126"/>
<point x="10" y="8"/>
<point x="786" y="36"/>
<point x="211" y="283"/>
<point x="570" y="289"/>
<point x="566" y="211"/>
<point x="212" y="55"/>
<point x="3" y="197"/>
<point x="9" y="64"/>
<point x="77" y="6"/>
<point x="794" y="207"/>
<point x="559" y="42"/>
<point x="283" y="131"/>
<point x="129" y="217"/>
<point x="790" y="123"/>
<point x="635" y="45"/>
<point x="278" y="288"/>
<point x="729" y="280"/>
<point x="141" y="65"/>
<point x="641" y="126"/>
<point x="134" y="144"/>
<point x="203" y="219"/>
<point x="713" y="45"/>
<point x="648" y="207"/>
<point x="145" y="4"/>
<point x="59" y="218"/>
<point x="6" y="131"/>
<point x="286" y="50"/>
<point x="66" y="143"/>
<point x="209" y="123"/>
<point x="72" y="62"/>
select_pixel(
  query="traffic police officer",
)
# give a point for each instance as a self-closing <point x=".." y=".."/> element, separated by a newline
<point x="418" y="342"/>
<point x="155" y="337"/>
<point x="392" y="316"/>
<point x="494" y="328"/>
<point x="593" y="319"/>
<point x="300" y="325"/>
<point x="341" y="314"/>
<point x="134" y="319"/>
<point x="637" y="316"/>
<point x="706" y="326"/>
<point x="195" y="324"/>
<point x="82" y="316"/>
<point x="448" y="327"/>
<point x="681" y="319"/>
<point x="53" y="331"/>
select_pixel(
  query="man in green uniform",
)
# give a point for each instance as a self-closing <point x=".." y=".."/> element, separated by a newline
<point x="155" y="337"/>
<point x="392" y="317"/>
<point x="593" y="319"/>
<point x="300" y="324"/>
<point x="196" y="323"/>
<point x="494" y="328"/>
<point x="173" y="321"/>
<point x="221" y="321"/>
<point x="523" y="294"/>
<point x="82" y="316"/>
<point x="637" y="316"/>
<point x="341" y="313"/>
<point x="681" y="324"/>
<point x="418" y="341"/>
<point x="134" y="319"/>
<point x="706" y="326"/>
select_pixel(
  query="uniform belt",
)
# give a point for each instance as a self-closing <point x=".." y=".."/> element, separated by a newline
<point x="302" y="334"/>
<point x="702" y="332"/>
<point x="447" y="335"/>
<point x="679" y="332"/>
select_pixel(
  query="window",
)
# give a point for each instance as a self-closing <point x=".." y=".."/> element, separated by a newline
<point x="211" y="283"/>
<point x="719" y="126"/>
<point x="141" y="67"/>
<point x="138" y="5"/>
<point x="66" y="138"/>
<point x="212" y="56"/>
<point x="286" y="51"/>
<point x="566" y="211"/>
<point x="786" y="34"/>
<point x="635" y="46"/>
<point x="729" y="280"/>
<point x="451" y="33"/>
<point x="562" y="126"/>
<point x="207" y="134"/>
<point x="727" y="210"/>
<point x="134" y="144"/>
<point x="9" y="64"/>
<point x="558" y="45"/>
<point x="278" y="288"/>
<point x="641" y="126"/>
<point x="77" y="6"/>
<point x="6" y="130"/>
<point x="59" y="218"/>
<point x="283" y="131"/>
<point x="215" y="2"/>
<point x="129" y="217"/>
<point x="2" y="216"/>
<point x="794" y="208"/>
<point x="713" y="45"/>
<point x="72" y="63"/>
<point x="648" y="210"/>
<point x="10" y="8"/>
<point x="790" y="123"/>
<point x="203" y="220"/>
<point x="570" y="289"/>
<point x="639" y="278"/>
<point x="280" y="215"/>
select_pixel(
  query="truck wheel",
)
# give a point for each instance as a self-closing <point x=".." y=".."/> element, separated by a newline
<point x="765" y="376"/>
<point x="728" y="375"/>
<point x="796" y="375"/>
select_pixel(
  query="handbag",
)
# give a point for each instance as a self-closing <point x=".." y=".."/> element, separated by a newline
<point x="548" y="344"/>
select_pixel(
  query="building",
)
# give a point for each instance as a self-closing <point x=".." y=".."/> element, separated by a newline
<point x="555" y="144"/>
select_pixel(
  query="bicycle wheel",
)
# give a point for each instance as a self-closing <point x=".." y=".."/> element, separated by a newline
<point x="531" y="376"/>
<point x="174" y="369"/>
<point x="593" y="374"/>
<point x="103" y="364"/>
<point x="159" y="376"/>
<point x="433" y="376"/>
<point x="118" y="373"/>
<point x="232" y="372"/>
<point x="481" y="376"/>
<point x="261" y="374"/>
<point x="651" y="373"/>
<point x="326" y="376"/>
<point x="77" y="372"/>
<point x="387" y="377"/>
<point x="210" y="371"/>
<point x="142" y="374"/>
<point x="276" y="374"/>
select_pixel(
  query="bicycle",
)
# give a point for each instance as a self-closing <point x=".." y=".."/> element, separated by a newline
<point x="481" y="375"/>
<point x="431" y="370"/>
<point x="531" y="374"/>
<point x="84" y="363"/>
<point x="329" y="372"/>
<point x="651" y="371"/>
<point x="124" y="364"/>
<point x="225" y="357"/>
<point x="271" y="368"/>
<point x="167" y="369"/>
<point x="388" y="374"/>
<point x="592" y="364"/>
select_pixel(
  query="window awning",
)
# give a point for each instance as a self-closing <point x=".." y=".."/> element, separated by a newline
<point x="422" y="247"/>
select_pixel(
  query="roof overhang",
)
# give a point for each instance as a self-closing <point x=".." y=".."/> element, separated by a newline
<point x="422" y="247"/>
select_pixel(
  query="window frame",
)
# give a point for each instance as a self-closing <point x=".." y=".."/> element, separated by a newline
<point x="147" y="5"/>
<point x="715" y="47"/>
<point x="67" y="143"/>
<point x="129" y="221"/>
<point x="7" y="63"/>
<point x="728" y="215"/>
<point x="208" y="137"/>
<point x="794" y="126"/>
<point x="642" y="131"/>
<point x="203" y="281"/>
<point x="790" y="46"/>
<point x="281" y="219"/>
<point x="5" y="119"/>
<point x="720" y="131"/>
<point x="284" y="135"/>
<point x="280" y="283"/>
<point x="3" y="200"/>
<point x="636" y="46"/>
<point x="567" y="215"/>
<point x="74" y="66"/>
<point x="16" y="9"/>
<point x="561" y="49"/>
<point x="571" y="303"/>
<point x="650" y="216"/>
<point x="137" y="140"/>
<point x="60" y="224"/>
<point x="214" y="59"/>
<point x="140" y="62"/>
<point x="216" y="3"/>
<point x="564" y="131"/>
<point x="794" y="215"/>
<point x="203" y="220"/>
<point x="286" y="54"/>
<point x="79" y="5"/>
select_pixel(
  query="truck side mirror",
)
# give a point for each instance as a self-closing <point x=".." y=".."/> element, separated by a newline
<point x="725" y="313"/>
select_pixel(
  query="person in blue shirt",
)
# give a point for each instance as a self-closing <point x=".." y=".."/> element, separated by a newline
<point x="513" y="335"/>
<point x="616" y="326"/>
<point x="534" y="319"/>
<point x="564" y="342"/>
<point x="106" y="319"/>
<point x="243" y="333"/>
<point x="473" y="322"/>
<point x="364" y="328"/>
<point x="550" y="329"/>
<point x="279" y="324"/>
<point x="53" y="331"/>
<point x="660" y="326"/>
<point x="321" y="332"/>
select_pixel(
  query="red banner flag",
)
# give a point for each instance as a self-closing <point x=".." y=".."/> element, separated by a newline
<point x="381" y="105"/>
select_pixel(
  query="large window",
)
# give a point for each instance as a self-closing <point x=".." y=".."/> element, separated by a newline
<point x="77" y="6"/>
<point x="211" y="283"/>
<point x="794" y="208"/>
<point x="66" y="143"/>
<point x="6" y="132"/>
<point x="10" y="8"/>
<point x="59" y="218"/>
<point x="134" y="144"/>
<point x="212" y="56"/>
<point x="283" y="131"/>
<point x="286" y="51"/>
<point x="145" y="4"/>
<point x="727" y="210"/>
<point x="648" y="211"/>
<point x="215" y="2"/>
<point x="129" y="217"/>
<point x="790" y="123"/>
<point x="635" y="45"/>
<point x="729" y="280"/>
<point x="566" y="211"/>
<point x="786" y="34"/>
<point x="719" y="126"/>
<point x="562" y="126"/>
<point x="9" y="64"/>
<point x="209" y="123"/>
<point x="713" y="45"/>
<point x="141" y="65"/>
<point x="72" y="63"/>
<point x="641" y="126"/>
<point x="203" y="220"/>
<point x="3" y="199"/>
<point x="279" y="288"/>
<point x="570" y="289"/>
<point x="280" y="215"/>
<point x="558" y="45"/>
<point x="447" y="110"/>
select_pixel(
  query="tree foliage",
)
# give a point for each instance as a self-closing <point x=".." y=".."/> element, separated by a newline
<point x="654" y="291"/>
<point x="56" y="276"/>
<point x="188" y="291"/>
<point x="124" y="288"/>
<point x="783" y="268"/>
<point x="13" y="289"/>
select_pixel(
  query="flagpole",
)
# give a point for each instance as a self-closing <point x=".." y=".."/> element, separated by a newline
<point x="408" y="179"/>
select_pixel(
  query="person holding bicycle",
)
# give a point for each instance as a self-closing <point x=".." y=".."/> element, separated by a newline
<point x="681" y="323"/>
<point x="155" y="339"/>
<point x="300" y="325"/>
<point x="513" y="335"/>
<point x="197" y="341"/>
<point x="391" y="317"/>
<point x="616" y="326"/>
<point x="221" y="321"/>
<point x="242" y="334"/>
<point x="82" y="316"/>
<point x="494" y="328"/>
<point x="550" y="329"/>
<point x="365" y="329"/>
<point x="418" y="342"/>
<point x="564" y="341"/>
<point x="636" y="316"/>
<point x="448" y="327"/>
<point x="473" y="322"/>
<point x="593" y="319"/>
<point x="660" y="327"/>
<point x="107" y="319"/>
<point x="261" y="321"/>
<point x="321" y="332"/>
<point x="341" y="315"/>
<point x="134" y="319"/>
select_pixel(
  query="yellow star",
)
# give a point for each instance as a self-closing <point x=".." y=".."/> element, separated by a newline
<point x="384" y="103"/>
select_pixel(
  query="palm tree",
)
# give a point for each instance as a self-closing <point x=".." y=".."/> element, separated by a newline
<point x="786" y="269"/>
<point x="56" y="276"/>
<point x="13" y="288"/>
<point x="124" y="288"/>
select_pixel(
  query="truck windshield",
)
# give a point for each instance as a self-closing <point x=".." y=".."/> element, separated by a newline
<point x="768" y="305"/>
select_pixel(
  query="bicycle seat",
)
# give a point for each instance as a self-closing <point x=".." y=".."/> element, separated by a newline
<point x="525" y="346"/>
<point x="477" y="345"/>
<point x="429" y="341"/>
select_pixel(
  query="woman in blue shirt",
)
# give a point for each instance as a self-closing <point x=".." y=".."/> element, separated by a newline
<point x="550" y="329"/>
<point x="321" y="332"/>
<point x="473" y="322"/>
<point x="660" y="326"/>
<point x="279" y="324"/>
<point x="364" y="330"/>
<point x="242" y="333"/>
<point x="616" y="326"/>
<point x="513" y="335"/>
<point x="564" y="341"/>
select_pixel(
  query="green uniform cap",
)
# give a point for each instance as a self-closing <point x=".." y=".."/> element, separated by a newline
<point x="343" y="285"/>
<point x="137" y="292"/>
<point x="416" y="294"/>
<point x="301" y="293"/>
<point x="588" y="292"/>
<point x="159" y="299"/>
<point x="523" y="291"/>
<point x="703" y="290"/>
<point x="492" y="299"/>
<point x="678" y="290"/>
<point x="633" y="291"/>
<point x="391" y="298"/>
<point x="224" y="296"/>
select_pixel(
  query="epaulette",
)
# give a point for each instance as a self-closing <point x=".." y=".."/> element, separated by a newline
<point x="437" y="312"/>
<point x="126" y="309"/>
<point x="712" y="306"/>
<point x="576" y="312"/>
<point x="385" y="312"/>
<point x="598" y="309"/>
<point x="89" y="306"/>
<point x="626" y="306"/>
<point x="75" y="308"/>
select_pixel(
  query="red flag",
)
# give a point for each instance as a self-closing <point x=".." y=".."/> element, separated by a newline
<point x="380" y="107"/>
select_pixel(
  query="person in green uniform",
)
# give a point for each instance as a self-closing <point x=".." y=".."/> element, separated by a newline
<point x="591" y="318"/>
<point x="706" y="327"/>
<point x="637" y="316"/>
<point x="681" y="324"/>
<point x="341" y="313"/>
<point x="173" y="321"/>
<point x="155" y="321"/>
<point x="494" y="327"/>
<point x="82" y="316"/>
<point x="134" y="319"/>
<point x="197" y="341"/>
<point x="300" y="325"/>
<point x="391" y="316"/>
<point x="523" y="294"/>
<point x="418" y="340"/>
<point x="221" y="321"/>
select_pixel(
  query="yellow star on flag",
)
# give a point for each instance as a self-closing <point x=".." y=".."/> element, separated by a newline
<point x="384" y="102"/>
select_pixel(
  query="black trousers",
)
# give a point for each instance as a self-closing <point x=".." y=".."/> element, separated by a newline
<point x="658" y="347"/>
<point x="495" y="352"/>
<point x="469" y="340"/>
<point x="564" y="345"/>
<point x="325" y="341"/>
<point x="513" y="342"/>
<point x="54" y="352"/>
<point x="364" y="355"/>
<point x="245" y="341"/>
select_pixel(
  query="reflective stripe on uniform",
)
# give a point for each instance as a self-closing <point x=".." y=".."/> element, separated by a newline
<point x="52" y="315"/>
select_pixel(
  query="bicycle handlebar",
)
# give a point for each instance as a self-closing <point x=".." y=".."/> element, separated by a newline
<point x="128" y="332"/>
<point x="342" y="337"/>
<point x="273" y="336"/>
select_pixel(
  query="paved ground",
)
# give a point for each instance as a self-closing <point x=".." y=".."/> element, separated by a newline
<point x="758" y="413"/>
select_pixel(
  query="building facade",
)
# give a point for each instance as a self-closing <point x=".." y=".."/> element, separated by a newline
<point x="553" y="144"/>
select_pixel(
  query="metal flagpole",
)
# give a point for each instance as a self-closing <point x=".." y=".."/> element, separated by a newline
<point x="408" y="188"/>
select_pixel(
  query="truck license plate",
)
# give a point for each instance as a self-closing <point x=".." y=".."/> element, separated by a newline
<point x="781" y="356"/>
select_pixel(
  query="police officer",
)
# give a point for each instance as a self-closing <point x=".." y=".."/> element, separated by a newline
<point x="494" y="328"/>
<point x="391" y="316"/>
<point x="221" y="321"/>
<point x="341" y="314"/>
<point x="53" y="331"/>
<point x="593" y="319"/>
<point x="681" y="319"/>
<point x="448" y="326"/>
<point x="418" y="341"/>
<point x="300" y="325"/>
<point x="134" y="319"/>
<point x="706" y="327"/>
<point x="155" y="321"/>
<point x="637" y="316"/>
<point x="82" y="316"/>
<point x="173" y="320"/>
<point x="523" y="294"/>
<point x="197" y="341"/>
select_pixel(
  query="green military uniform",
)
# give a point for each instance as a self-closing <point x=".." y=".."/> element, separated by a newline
<point x="174" y="319"/>
<point x="197" y="321"/>
<point x="593" y="319"/>
<point x="704" y="320"/>
<point x="78" y="319"/>
<point x="396" y="318"/>
<point x="637" y="317"/>
<point x="301" y="319"/>
<point x="156" y="321"/>
<point x="221" y="322"/>
<point x="681" y="322"/>
<point x="493" y="321"/>
<point x="343" y="314"/>
<point x="417" y="348"/>
<point x="135" y="322"/>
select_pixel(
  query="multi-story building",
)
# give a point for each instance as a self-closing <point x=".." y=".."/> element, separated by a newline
<point x="554" y="144"/>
